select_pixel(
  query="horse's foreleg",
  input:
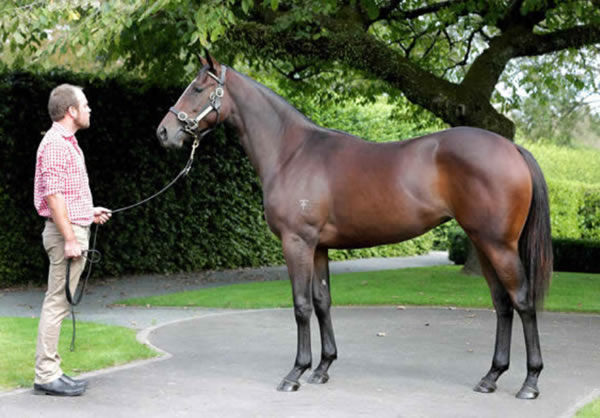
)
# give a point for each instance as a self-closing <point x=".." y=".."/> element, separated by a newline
<point x="299" y="257"/>
<point x="504" y="320"/>
<point x="322" y="304"/>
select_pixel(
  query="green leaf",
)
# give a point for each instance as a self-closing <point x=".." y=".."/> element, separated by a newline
<point x="246" y="5"/>
<point x="19" y="38"/>
<point x="153" y="8"/>
<point x="274" y="4"/>
<point x="371" y="7"/>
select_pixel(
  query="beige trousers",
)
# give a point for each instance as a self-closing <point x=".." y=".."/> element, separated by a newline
<point x="56" y="307"/>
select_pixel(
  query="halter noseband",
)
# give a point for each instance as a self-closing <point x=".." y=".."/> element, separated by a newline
<point x="214" y="103"/>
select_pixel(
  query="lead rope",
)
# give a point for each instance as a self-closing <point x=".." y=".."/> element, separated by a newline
<point x="93" y="256"/>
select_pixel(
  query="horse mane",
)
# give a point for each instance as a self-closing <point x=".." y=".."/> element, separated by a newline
<point x="292" y="109"/>
<point x="278" y="98"/>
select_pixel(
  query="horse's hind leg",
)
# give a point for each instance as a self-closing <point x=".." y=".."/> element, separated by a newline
<point x="504" y="320"/>
<point x="322" y="304"/>
<point x="511" y="273"/>
<point x="299" y="257"/>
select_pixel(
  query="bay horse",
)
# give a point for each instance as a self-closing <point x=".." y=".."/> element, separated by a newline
<point x="325" y="189"/>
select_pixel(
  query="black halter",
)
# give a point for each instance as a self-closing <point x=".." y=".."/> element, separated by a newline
<point x="214" y="103"/>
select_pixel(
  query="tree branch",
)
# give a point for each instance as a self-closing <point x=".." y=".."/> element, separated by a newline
<point x="512" y="15"/>
<point x="465" y="59"/>
<point x="385" y="12"/>
<point x="416" y="36"/>
<point x="574" y="37"/>
<point x="361" y="51"/>
<point x="520" y="41"/>
<point x="430" y="47"/>
<point x="422" y="11"/>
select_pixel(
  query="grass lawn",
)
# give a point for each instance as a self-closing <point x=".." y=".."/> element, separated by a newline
<point x="97" y="347"/>
<point x="437" y="286"/>
<point x="591" y="410"/>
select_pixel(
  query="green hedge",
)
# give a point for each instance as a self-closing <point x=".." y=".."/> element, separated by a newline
<point x="576" y="255"/>
<point x="213" y="219"/>
<point x="569" y="254"/>
<point x="575" y="209"/>
<point x="458" y="245"/>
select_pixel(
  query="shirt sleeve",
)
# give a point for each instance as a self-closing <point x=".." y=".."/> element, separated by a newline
<point x="54" y="169"/>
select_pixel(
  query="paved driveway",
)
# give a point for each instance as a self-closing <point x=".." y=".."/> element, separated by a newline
<point x="228" y="363"/>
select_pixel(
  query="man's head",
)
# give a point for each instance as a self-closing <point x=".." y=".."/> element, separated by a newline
<point x="68" y="104"/>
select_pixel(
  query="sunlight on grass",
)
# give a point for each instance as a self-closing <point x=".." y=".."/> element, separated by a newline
<point x="591" y="410"/>
<point x="437" y="286"/>
<point x="97" y="347"/>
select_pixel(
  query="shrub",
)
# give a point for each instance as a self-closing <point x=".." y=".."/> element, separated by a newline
<point x="458" y="245"/>
<point x="419" y="245"/>
<point x="576" y="255"/>
<point x="569" y="254"/>
<point x="589" y="213"/>
<point x="567" y="163"/>
<point x="211" y="219"/>
<point x="566" y="199"/>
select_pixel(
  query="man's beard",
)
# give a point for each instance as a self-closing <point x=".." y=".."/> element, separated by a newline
<point x="82" y="124"/>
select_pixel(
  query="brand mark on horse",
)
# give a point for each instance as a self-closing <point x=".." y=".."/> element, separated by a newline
<point x="304" y="203"/>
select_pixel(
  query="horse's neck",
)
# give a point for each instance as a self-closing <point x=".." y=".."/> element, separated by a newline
<point x="265" y="125"/>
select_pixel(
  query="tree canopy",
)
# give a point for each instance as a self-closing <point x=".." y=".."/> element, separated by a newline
<point x="447" y="56"/>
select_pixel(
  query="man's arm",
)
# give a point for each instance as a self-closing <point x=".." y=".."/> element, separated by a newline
<point x="58" y="207"/>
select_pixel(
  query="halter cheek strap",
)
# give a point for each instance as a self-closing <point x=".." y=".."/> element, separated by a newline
<point x="214" y="103"/>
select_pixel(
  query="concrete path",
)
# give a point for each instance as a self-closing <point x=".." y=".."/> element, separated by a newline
<point x="97" y="304"/>
<point x="224" y="363"/>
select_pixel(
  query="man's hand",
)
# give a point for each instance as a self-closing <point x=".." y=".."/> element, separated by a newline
<point x="101" y="215"/>
<point x="58" y="208"/>
<point x="72" y="248"/>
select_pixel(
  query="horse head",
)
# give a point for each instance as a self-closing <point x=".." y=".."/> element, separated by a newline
<point x="199" y="109"/>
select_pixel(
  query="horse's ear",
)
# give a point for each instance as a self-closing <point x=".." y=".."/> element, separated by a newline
<point x="209" y="60"/>
<point x="203" y="61"/>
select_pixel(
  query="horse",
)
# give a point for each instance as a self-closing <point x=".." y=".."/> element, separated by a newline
<point x="326" y="189"/>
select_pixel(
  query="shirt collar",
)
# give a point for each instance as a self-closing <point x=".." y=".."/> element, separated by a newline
<point x="65" y="133"/>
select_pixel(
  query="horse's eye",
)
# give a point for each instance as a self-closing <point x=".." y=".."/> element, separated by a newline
<point x="198" y="89"/>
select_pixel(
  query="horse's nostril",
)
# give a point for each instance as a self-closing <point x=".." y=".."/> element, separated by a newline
<point x="162" y="134"/>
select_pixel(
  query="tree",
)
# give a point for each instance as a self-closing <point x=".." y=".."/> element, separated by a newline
<point x="446" y="56"/>
<point x="559" y="110"/>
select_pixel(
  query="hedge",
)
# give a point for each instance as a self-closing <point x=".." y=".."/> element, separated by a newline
<point x="575" y="209"/>
<point x="213" y="219"/>
<point x="576" y="255"/>
<point x="569" y="254"/>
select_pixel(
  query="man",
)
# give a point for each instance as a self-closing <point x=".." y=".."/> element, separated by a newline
<point x="62" y="196"/>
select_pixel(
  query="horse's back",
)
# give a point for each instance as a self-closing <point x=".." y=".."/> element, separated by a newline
<point x="357" y="193"/>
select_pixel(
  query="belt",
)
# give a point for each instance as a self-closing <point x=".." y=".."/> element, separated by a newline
<point x="80" y="226"/>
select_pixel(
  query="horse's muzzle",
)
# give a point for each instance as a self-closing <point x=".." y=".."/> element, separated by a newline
<point x="161" y="134"/>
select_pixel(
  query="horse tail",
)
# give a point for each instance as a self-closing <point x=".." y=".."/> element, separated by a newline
<point x="535" y="244"/>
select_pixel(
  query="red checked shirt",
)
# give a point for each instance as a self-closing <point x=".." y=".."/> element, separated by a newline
<point x="60" y="168"/>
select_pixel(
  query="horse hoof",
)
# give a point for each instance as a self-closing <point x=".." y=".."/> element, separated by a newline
<point x="288" y="386"/>
<point x="318" y="378"/>
<point x="528" y="392"/>
<point x="485" y="386"/>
